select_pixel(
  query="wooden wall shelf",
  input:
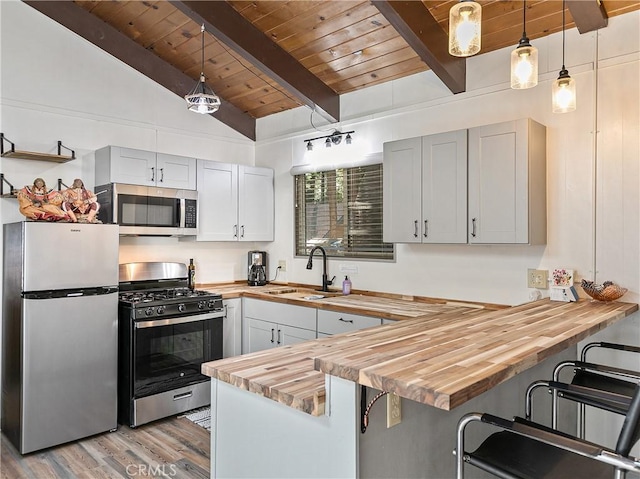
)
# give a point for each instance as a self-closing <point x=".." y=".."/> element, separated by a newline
<point x="12" y="190"/>
<point x="29" y="155"/>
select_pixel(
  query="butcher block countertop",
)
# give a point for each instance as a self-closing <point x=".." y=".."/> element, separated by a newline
<point x="442" y="358"/>
<point x="369" y="303"/>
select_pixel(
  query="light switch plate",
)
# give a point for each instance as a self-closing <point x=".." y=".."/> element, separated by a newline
<point x="538" y="278"/>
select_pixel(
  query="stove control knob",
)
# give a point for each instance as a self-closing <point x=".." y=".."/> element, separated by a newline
<point x="212" y="303"/>
<point x="181" y="307"/>
<point x="148" y="311"/>
<point x="202" y="304"/>
<point x="160" y="309"/>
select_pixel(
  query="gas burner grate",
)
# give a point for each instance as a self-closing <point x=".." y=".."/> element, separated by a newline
<point x="147" y="296"/>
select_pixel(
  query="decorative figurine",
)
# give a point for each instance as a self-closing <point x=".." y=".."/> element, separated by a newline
<point x="80" y="204"/>
<point x="39" y="204"/>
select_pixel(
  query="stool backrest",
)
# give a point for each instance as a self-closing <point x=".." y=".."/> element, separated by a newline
<point x="630" y="432"/>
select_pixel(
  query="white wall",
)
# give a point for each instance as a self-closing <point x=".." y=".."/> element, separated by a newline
<point x="57" y="86"/>
<point x="592" y="180"/>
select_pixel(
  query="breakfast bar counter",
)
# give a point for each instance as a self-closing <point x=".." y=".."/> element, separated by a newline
<point x="456" y="357"/>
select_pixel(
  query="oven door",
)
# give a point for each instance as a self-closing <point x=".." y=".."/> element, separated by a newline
<point x="168" y="352"/>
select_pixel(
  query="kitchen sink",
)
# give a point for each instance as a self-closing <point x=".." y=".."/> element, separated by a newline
<point x="302" y="293"/>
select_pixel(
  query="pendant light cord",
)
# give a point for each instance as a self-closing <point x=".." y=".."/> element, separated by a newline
<point x="563" y="35"/>
<point x="524" y="18"/>
<point x="202" y="49"/>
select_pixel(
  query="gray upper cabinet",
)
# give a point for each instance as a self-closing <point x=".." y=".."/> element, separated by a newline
<point x="236" y="202"/>
<point x="116" y="164"/>
<point x="444" y="188"/>
<point x="402" y="191"/>
<point x="485" y="185"/>
<point x="425" y="189"/>
<point x="507" y="183"/>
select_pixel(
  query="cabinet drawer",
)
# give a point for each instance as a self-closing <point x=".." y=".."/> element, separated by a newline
<point x="290" y="315"/>
<point x="333" y="322"/>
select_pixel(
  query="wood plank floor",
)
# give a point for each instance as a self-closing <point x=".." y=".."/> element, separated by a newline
<point x="169" y="448"/>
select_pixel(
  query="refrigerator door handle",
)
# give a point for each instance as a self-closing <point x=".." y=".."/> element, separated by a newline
<point x="69" y="293"/>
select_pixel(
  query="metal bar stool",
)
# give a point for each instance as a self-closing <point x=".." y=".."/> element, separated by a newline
<point x="523" y="449"/>
<point x="595" y="376"/>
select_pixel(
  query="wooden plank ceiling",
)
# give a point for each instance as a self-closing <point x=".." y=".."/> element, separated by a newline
<point x="265" y="57"/>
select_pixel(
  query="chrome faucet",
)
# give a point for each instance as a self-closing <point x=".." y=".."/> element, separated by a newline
<point x="325" y="279"/>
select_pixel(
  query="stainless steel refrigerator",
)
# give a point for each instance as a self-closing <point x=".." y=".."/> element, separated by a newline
<point x="60" y="332"/>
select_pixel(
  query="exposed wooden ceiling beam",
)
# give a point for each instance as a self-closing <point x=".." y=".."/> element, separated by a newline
<point x="230" y="27"/>
<point x="104" y="36"/>
<point x="422" y="32"/>
<point x="588" y="15"/>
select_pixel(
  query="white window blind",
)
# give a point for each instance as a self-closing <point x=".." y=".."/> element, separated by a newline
<point x="341" y="210"/>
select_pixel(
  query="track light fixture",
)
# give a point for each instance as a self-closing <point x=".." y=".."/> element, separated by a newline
<point x="202" y="99"/>
<point x="334" y="138"/>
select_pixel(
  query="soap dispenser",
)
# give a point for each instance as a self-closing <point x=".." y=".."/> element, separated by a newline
<point x="346" y="285"/>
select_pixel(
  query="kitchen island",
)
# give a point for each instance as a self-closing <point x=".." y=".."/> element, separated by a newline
<point x="295" y="411"/>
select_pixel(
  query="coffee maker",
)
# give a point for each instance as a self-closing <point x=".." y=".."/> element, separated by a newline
<point x="257" y="268"/>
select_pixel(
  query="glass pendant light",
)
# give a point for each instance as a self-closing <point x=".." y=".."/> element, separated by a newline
<point x="563" y="91"/>
<point x="464" y="28"/>
<point x="524" y="59"/>
<point x="202" y="99"/>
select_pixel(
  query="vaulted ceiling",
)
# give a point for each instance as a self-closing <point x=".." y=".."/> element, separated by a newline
<point x="264" y="57"/>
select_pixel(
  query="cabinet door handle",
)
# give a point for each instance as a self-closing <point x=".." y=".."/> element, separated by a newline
<point x="161" y="175"/>
<point x="473" y="227"/>
<point x="279" y="337"/>
<point x="226" y="311"/>
<point x="242" y="231"/>
<point x="235" y="231"/>
<point x="415" y="229"/>
<point x="153" y="174"/>
<point x="272" y="337"/>
<point x="346" y="320"/>
<point x="426" y="228"/>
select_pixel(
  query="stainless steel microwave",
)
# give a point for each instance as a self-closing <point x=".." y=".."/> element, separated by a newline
<point x="148" y="210"/>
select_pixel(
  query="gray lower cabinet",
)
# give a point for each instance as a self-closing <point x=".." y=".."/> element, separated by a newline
<point x="232" y="328"/>
<point x="268" y="324"/>
<point x="333" y="322"/>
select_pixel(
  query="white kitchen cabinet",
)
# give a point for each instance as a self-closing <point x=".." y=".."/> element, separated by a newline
<point x="267" y="324"/>
<point x="116" y="164"/>
<point x="334" y="322"/>
<point x="232" y="328"/>
<point x="236" y="202"/>
<point x="425" y="189"/>
<point x="263" y="335"/>
<point x="402" y="191"/>
<point x="485" y="185"/>
<point x="507" y="183"/>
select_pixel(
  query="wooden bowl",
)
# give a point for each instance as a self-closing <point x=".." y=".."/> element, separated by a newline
<point x="607" y="291"/>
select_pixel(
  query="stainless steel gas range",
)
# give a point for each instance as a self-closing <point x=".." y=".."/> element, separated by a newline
<point x="166" y="332"/>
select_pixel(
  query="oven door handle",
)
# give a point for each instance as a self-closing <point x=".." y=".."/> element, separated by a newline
<point x="178" y="320"/>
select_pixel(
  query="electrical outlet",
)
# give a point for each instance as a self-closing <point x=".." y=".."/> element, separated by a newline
<point x="538" y="278"/>
<point x="282" y="264"/>
<point x="394" y="410"/>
